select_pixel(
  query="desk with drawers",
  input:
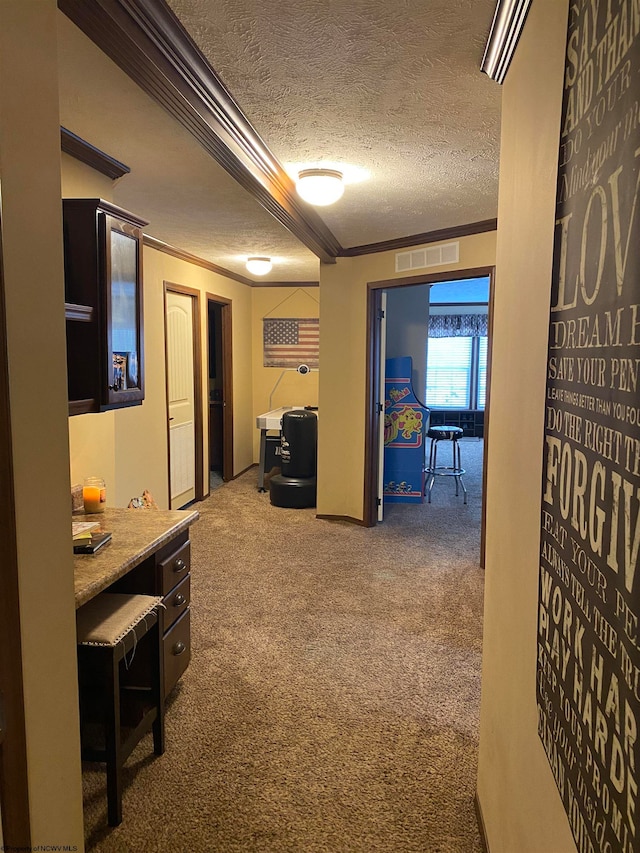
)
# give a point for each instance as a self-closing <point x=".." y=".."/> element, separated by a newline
<point x="149" y="553"/>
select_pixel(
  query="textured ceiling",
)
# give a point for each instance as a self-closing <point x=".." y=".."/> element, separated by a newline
<point x="393" y="89"/>
<point x="189" y="200"/>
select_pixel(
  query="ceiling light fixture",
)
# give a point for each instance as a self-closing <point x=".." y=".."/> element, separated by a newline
<point x="259" y="266"/>
<point x="320" y="186"/>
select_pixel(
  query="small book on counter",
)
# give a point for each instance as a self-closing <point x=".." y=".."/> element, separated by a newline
<point x="83" y="529"/>
<point x="91" y="543"/>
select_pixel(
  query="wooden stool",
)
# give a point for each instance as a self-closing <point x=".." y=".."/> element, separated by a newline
<point x="121" y="682"/>
<point x="455" y="470"/>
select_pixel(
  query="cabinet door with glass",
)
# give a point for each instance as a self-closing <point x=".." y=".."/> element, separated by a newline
<point x="124" y="374"/>
<point x="103" y="292"/>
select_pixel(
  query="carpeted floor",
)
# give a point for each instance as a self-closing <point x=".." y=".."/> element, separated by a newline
<point x="332" y="700"/>
<point x="215" y="480"/>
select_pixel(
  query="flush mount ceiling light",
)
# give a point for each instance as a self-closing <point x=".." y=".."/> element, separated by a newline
<point x="259" y="266"/>
<point x="320" y="186"/>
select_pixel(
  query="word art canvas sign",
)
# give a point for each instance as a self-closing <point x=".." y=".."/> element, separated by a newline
<point x="588" y="663"/>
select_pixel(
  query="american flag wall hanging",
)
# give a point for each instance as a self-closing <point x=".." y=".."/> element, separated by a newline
<point x="289" y="342"/>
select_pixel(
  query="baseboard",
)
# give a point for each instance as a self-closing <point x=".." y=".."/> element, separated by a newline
<point x="244" y="471"/>
<point x="341" y="518"/>
<point x="481" y="827"/>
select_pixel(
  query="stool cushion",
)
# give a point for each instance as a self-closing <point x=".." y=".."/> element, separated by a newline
<point x="110" y="616"/>
<point x="445" y="432"/>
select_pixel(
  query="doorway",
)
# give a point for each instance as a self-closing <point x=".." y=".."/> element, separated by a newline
<point x="184" y="394"/>
<point x="219" y="389"/>
<point x="375" y="371"/>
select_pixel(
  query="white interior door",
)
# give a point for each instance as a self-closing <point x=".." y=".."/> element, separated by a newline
<point x="180" y="396"/>
<point x="383" y="356"/>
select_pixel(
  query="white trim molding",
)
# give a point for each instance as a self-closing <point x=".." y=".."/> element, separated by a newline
<point x="507" y="25"/>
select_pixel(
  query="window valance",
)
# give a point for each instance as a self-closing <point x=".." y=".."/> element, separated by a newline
<point x="457" y="325"/>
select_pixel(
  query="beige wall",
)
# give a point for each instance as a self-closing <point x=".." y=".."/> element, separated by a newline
<point x="81" y="181"/>
<point x="343" y="367"/>
<point x="517" y="794"/>
<point x="293" y="389"/>
<point x="160" y="267"/>
<point x="91" y="437"/>
<point x="33" y="272"/>
<point x="128" y="447"/>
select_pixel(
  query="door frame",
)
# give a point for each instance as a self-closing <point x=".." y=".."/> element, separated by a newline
<point x="226" y="306"/>
<point x="171" y="287"/>
<point x="373" y="355"/>
<point x="381" y="368"/>
<point x="14" y="783"/>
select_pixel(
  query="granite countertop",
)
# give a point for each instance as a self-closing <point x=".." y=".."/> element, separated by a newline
<point x="137" y="533"/>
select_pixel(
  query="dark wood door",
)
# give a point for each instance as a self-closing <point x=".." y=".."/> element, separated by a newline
<point x="216" y="435"/>
<point x="220" y="386"/>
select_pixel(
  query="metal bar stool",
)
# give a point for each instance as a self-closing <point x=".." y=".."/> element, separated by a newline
<point x="121" y="682"/>
<point x="455" y="470"/>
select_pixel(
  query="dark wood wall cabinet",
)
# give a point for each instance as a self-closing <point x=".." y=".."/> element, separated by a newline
<point x="103" y="305"/>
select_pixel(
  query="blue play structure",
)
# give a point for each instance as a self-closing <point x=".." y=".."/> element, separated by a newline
<point x="406" y="422"/>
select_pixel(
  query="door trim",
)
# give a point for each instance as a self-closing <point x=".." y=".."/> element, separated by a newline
<point x="374" y="289"/>
<point x="227" y="382"/>
<point x="483" y="527"/>
<point x="14" y="787"/>
<point x="371" y="449"/>
<point x="382" y="376"/>
<point x="170" y="287"/>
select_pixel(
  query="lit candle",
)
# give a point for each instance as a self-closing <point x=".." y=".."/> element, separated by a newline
<point x="94" y="495"/>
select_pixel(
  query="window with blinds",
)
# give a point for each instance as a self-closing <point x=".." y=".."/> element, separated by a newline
<point x="456" y="373"/>
<point x="449" y="373"/>
<point x="482" y="372"/>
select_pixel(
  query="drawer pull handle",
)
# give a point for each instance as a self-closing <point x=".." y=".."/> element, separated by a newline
<point x="179" y="648"/>
<point x="179" y="566"/>
<point x="179" y="600"/>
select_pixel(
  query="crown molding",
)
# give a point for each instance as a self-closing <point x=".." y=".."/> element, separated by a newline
<point x="285" y="284"/>
<point x="369" y="249"/>
<point x="453" y="233"/>
<point x="148" y="42"/>
<point x="432" y="278"/>
<point x="160" y="246"/>
<point x="507" y="25"/>
<point x="153" y="243"/>
<point x="92" y="156"/>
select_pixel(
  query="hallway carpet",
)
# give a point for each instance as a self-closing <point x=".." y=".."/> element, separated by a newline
<point x="332" y="700"/>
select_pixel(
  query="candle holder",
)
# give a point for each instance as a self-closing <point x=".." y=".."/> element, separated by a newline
<point x="94" y="494"/>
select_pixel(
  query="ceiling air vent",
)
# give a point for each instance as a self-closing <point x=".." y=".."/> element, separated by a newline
<point x="432" y="256"/>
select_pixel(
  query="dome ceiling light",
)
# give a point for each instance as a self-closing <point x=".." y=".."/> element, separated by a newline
<point x="320" y="186"/>
<point x="259" y="266"/>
